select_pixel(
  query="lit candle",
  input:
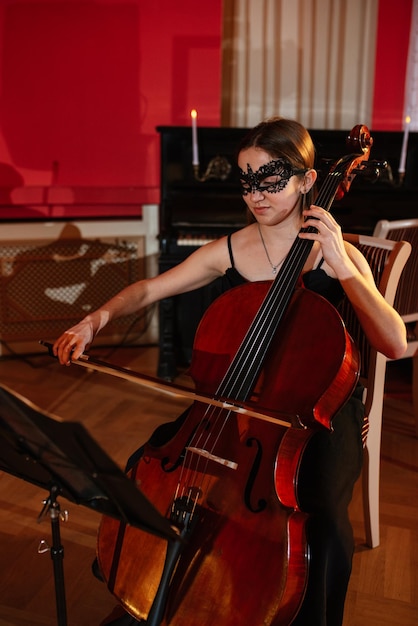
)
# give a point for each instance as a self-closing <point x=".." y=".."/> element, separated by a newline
<point x="195" y="160"/>
<point x="404" y="146"/>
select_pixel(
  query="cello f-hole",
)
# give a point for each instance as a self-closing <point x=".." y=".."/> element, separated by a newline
<point x="262" y="503"/>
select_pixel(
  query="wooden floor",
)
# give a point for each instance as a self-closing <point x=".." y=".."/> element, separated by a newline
<point x="119" y="415"/>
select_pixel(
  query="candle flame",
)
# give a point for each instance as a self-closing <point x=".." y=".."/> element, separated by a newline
<point x="193" y="113"/>
<point x="408" y="119"/>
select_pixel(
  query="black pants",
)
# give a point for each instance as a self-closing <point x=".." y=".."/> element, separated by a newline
<point x="330" y="467"/>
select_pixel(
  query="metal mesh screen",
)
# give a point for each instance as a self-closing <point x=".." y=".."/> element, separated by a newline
<point x="44" y="289"/>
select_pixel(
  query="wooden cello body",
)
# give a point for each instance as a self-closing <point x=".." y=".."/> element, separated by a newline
<point x="227" y="481"/>
<point x="245" y="561"/>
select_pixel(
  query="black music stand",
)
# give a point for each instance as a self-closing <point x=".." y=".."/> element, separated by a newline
<point x="64" y="459"/>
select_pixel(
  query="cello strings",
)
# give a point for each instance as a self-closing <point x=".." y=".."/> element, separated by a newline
<point x="190" y="486"/>
<point x="258" y="333"/>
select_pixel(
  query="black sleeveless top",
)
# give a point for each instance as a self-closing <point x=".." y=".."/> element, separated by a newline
<point x="316" y="280"/>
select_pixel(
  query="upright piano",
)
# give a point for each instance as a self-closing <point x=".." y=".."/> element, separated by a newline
<point x="199" y="206"/>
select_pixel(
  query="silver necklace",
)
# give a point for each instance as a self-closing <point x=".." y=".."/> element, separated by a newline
<point x="273" y="267"/>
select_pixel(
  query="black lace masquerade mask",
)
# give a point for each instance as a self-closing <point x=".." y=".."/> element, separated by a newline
<point x="281" y="169"/>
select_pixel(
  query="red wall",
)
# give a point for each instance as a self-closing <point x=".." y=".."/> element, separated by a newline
<point x="84" y="84"/>
<point x="393" y="32"/>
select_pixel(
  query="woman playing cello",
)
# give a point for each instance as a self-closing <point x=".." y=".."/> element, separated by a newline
<point x="276" y="162"/>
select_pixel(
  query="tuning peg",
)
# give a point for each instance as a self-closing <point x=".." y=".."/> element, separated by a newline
<point x="371" y="170"/>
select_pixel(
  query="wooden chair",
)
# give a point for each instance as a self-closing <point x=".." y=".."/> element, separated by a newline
<point x="387" y="260"/>
<point x="406" y="299"/>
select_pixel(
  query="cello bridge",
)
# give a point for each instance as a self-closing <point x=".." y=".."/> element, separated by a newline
<point x="213" y="457"/>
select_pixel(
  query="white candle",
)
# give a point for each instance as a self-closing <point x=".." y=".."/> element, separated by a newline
<point x="195" y="160"/>
<point x="402" y="162"/>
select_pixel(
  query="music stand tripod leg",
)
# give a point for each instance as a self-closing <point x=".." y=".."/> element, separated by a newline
<point x="51" y="506"/>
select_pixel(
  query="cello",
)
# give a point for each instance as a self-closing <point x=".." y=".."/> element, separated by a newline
<point x="228" y="481"/>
